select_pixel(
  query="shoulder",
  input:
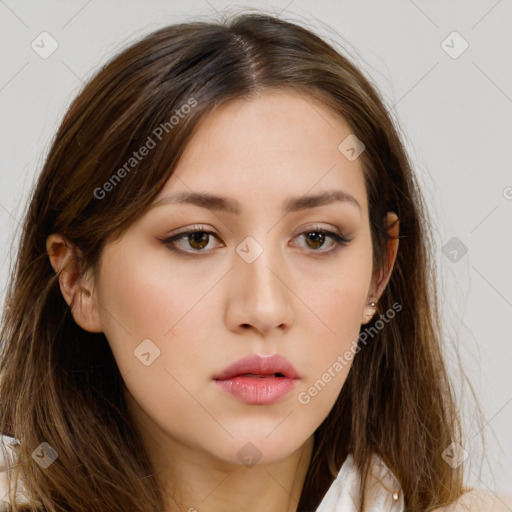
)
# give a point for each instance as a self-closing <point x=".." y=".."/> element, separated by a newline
<point x="480" y="500"/>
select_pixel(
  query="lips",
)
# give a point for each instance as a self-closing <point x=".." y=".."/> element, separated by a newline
<point x="258" y="366"/>
<point x="257" y="380"/>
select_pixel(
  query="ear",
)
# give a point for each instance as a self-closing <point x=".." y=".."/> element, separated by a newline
<point x="380" y="280"/>
<point x="77" y="290"/>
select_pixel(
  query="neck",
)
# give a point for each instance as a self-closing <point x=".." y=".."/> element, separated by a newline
<point x="197" y="482"/>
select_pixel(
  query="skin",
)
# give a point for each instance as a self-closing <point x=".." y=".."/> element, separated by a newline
<point x="205" y="311"/>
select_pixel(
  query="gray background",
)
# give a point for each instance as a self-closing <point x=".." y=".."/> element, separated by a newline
<point x="454" y="114"/>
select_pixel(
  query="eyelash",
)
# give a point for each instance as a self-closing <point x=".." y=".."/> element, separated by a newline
<point x="170" y="242"/>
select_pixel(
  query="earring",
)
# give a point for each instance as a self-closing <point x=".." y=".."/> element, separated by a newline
<point x="373" y="305"/>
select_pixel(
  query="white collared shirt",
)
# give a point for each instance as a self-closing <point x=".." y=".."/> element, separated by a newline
<point x="384" y="493"/>
<point x="383" y="489"/>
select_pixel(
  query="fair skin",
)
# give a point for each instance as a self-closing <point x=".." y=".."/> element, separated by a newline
<point x="205" y="311"/>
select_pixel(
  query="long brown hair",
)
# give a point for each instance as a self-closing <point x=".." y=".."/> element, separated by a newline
<point x="60" y="384"/>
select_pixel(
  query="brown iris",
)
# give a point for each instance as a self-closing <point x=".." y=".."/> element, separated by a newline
<point x="319" y="238"/>
<point x="199" y="238"/>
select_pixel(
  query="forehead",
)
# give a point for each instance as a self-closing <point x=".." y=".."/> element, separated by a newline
<point x="273" y="145"/>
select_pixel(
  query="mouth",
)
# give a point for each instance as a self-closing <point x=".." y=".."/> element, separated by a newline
<point x="257" y="380"/>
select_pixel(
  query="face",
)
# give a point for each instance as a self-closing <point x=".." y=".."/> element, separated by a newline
<point x="178" y="309"/>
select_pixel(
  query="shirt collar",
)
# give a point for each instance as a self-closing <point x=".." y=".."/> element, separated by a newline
<point x="383" y="493"/>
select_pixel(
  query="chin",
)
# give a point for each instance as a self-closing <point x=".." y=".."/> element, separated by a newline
<point x="258" y="449"/>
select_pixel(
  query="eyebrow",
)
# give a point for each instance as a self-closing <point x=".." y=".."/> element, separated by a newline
<point x="292" y="204"/>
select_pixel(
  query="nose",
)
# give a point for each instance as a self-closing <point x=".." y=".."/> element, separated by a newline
<point x="260" y="294"/>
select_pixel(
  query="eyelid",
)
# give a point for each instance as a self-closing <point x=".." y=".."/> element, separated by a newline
<point x="318" y="227"/>
<point x="192" y="229"/>
<point x="201" y="227"/>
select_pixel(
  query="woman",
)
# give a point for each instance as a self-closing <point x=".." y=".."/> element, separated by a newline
<point x="295" y="364"/>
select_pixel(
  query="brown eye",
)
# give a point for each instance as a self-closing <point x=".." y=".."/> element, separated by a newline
<point x="316" y="240"/>
<point x="191" y="241"/>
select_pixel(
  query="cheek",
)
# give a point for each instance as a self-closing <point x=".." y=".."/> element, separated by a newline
<point x="142" y="298"/>
<point x="134" y="299"/>
<point x="333" y="332"/>
<point x="340" y="312"/>
<point x="338" y="304"/>
<point x="155" y="333"/>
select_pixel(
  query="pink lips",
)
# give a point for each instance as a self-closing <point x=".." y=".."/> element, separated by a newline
<point x="258" y="380"/>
